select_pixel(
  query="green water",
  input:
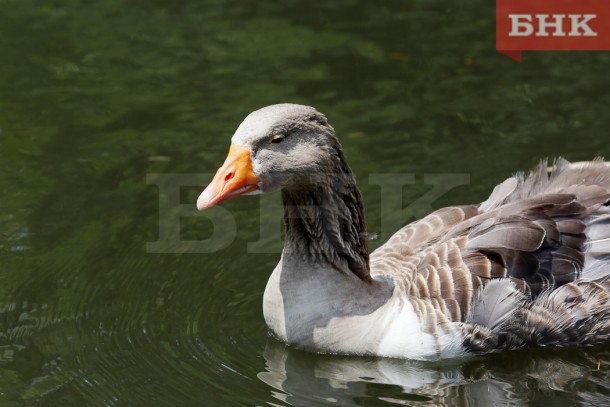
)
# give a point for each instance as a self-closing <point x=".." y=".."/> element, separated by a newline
<point x="97" y="95"/>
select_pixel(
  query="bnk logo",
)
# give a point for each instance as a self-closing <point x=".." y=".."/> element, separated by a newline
<point x="547" y="25"/>
<point x="557" y="25"/>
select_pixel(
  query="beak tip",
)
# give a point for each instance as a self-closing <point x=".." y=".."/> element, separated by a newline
<point x="203" y="202"/>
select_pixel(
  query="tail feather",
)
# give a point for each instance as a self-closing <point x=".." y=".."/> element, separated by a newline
<point x="577" y="313"/>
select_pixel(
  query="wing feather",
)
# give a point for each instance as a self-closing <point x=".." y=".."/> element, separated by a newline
<point x="476" y="264"/>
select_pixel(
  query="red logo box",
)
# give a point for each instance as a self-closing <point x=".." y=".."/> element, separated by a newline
<point x="552" y="25"/>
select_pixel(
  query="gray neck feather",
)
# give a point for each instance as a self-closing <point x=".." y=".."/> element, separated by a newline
<point x="324" y="220"/>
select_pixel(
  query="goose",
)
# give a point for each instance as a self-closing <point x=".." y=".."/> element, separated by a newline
<point x="529" y="266"/>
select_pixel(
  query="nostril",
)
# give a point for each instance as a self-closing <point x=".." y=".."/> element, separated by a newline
<point x="229" y="176"/>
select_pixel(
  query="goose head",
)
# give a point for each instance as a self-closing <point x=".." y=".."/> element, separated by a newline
<point x="277" y="147"/>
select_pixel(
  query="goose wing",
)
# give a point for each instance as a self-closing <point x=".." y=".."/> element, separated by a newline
<point x="534" y="234"/>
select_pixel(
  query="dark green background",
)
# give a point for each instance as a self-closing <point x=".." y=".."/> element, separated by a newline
<point x="95" y="95"/>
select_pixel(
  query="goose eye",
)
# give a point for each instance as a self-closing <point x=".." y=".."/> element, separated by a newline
<point x="276" y="139"/>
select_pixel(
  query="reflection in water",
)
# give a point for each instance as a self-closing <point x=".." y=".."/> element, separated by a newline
<point x="517" y="378"/>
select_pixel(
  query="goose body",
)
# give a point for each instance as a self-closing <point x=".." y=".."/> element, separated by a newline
<point x="530" y="266"/>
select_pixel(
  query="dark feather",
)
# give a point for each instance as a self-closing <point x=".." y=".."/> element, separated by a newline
<point x="511" y="233"/>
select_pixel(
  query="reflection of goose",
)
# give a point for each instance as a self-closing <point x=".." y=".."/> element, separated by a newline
<point x="304" y="379"/>
<point x="528" y="266"/>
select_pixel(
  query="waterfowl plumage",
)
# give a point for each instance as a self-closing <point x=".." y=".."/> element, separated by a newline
<point x="530" y="266"/>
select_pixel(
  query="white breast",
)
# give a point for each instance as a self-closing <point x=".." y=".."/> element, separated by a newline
<point x="405" y="338"/>
<point x="391" y="330"/>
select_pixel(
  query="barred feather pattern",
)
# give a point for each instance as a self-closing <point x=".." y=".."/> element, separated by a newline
<point x="529" y="266"/>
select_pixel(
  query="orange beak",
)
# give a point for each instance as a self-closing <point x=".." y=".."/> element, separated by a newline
<point x="235" y="177"/>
